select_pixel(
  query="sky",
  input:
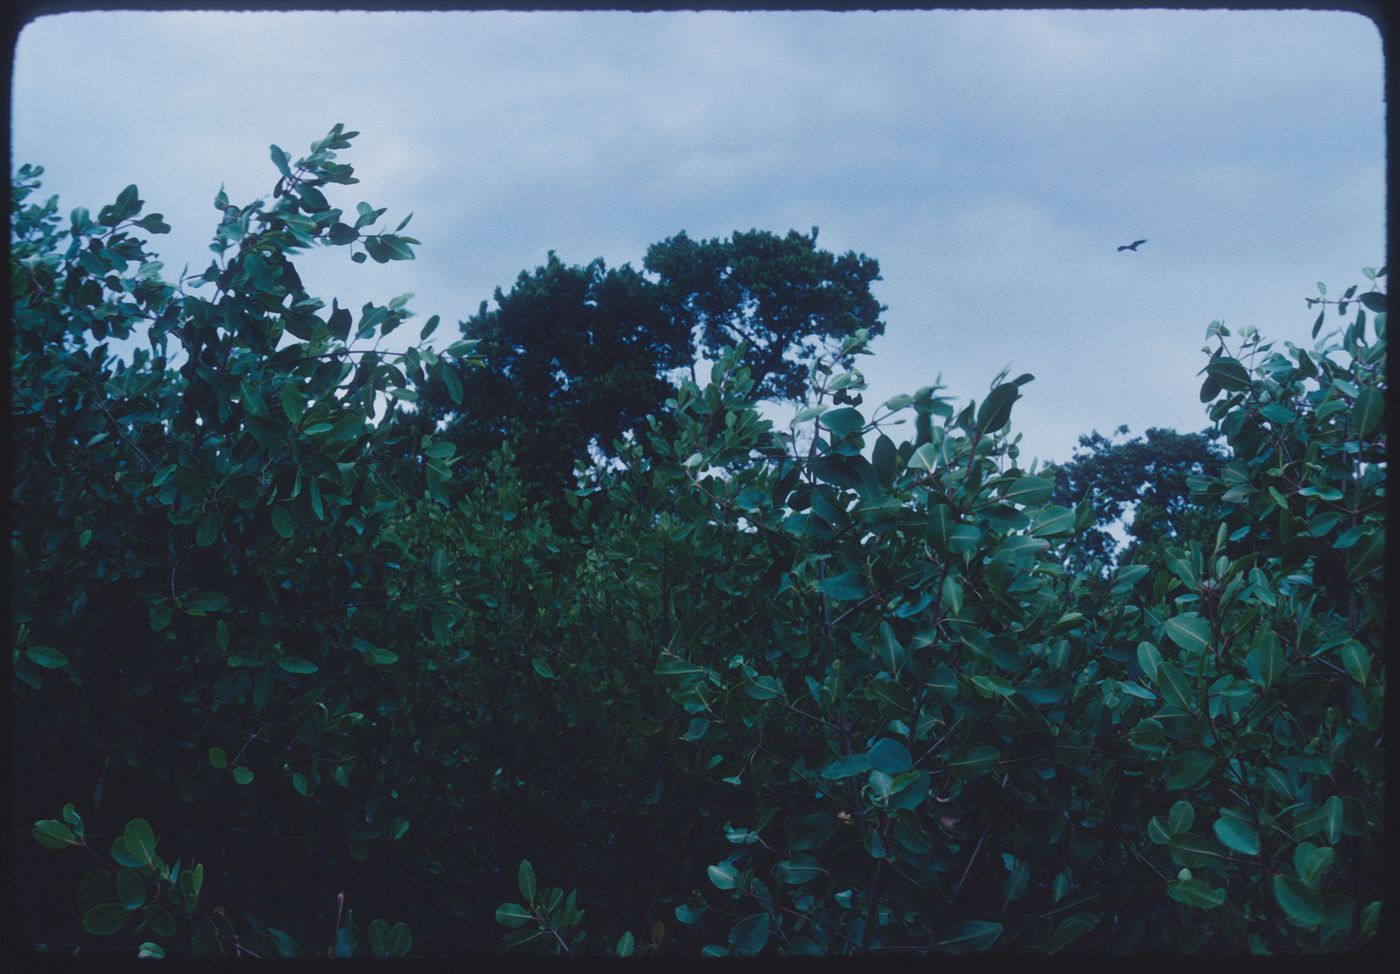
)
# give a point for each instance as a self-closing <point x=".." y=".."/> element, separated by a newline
<point x="991" y="161"/>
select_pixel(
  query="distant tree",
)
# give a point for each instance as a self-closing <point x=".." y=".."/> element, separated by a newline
<point x="1149" y="474"/>
<point x="789" y="300"/>
<point x="577" y="356"/>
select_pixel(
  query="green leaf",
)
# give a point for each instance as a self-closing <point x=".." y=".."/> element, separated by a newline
<point x="399" y="940"/>
<point x="626" y="944"/>
<point x="1071" y="929"/>
<point x="885" y="459"/>
<point x="689" y="914"/>
<point x="845" y="587"/>
<point x="121" y="855"/>
<point x="292" y="404"/>
<point x="798" y="870"/>
<point x="1175" y="688"/>
<point x="990" y="686"/>
<point x="889" y="756"/>
<point x="160" y="922"/>
<point x="296" y="664"/>
<point x="47" y="657"/>
<point x="53" y="834"/>
<point x="140" y="840"/>
<point x="1028" y="491"/>
<point x="1189" y="849"/>
<point x="201" y="602"/>
<point x="105" y="918"/>
<point x="723" y="876"/>
<point x="1190" y="631"/>
<point x="280" y="159"/>
<point x="846" y="419"/>
<point x="1181" y="817"/>
<point x="1016" y="883"/>
<point x="1229" y="372"/>
<point x="1158" y="830"/>
<point x="750" y="934"/>
<point x="217" y="757"/>
<point x="542" y="668"/>
<point x="846" y="766"/>
<point x="1238" y="835"/>
<point x="1186" y="770"/>
<point x="282" y="521"/>
<point x="1149" y="659"/>
<point x="677" y="668"/>
<point x="1302" y="905"/>
<point x="242" y="775"/>
<point x="1196" y="892"/>
<point x="888" y="649"/>
<point x="1311" y="862"/>
<point x="969" y="937"/>
<point x="995" y="411"/>
<point x="1373" y="301"/>
<point x="453" y="383"/>
<point x="513" y="915"/>
<point x="525" y="879"/>
<point x="924" y="458"/>
<point x="1265" y="661"/>
<point x="1356" y="660"/>
<point x="1332" y="819"/>
<point x="840" y="471"/>
<point x="1053" y="520"/>
<point x="972" y="760"/>
<point x="130" y="890"/>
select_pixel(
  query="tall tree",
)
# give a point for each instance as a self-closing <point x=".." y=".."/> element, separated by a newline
<point x="1148" y="473"/>
<point x="789" y="300"/>
<point x="577" y="356"/>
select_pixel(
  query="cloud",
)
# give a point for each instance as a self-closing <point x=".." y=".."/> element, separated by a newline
<point x="991" y="161"/>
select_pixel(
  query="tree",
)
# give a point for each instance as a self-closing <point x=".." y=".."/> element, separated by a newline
<point x="788" y="300"/>
<point x="578" y="357"/>
<point x="1149" y="474"/>
<point x="196" y="576"/>
<point x="754" y="698"/>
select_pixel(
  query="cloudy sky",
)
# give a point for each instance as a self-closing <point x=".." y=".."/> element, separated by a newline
<point x="991" y="162"/>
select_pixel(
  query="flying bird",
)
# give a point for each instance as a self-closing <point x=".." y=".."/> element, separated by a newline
<point x="1132" y="246"/>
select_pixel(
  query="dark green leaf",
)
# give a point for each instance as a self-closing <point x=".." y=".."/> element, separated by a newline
<point x="1238" y="835"/>
<point x="296" y="664"/>
<point x="970" y="937"/>
<point x="1186" y="770"/>
<point x="995" y="411"/>
<point x="140" y="840"/>
<point x="972" y="760"/>
<point x="843" y="420"/>
<point x="1229" y="372"/>
<point x="749" y="935"/>
<point x="1302" y="905"/>
<point x="1190" y="631"/>
<point x="513" y="915"/>
<point x="105" y="918"/>
<point x="53" y="834"/>
<point x="889" y="756"/>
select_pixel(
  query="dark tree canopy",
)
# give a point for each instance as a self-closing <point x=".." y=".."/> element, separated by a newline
<point x="577" y="355"/>
<point x="785" y="297"/>
<point x="1149" y="473"/>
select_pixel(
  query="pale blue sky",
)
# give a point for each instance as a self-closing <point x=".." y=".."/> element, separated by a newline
<point x="991" y="161"/>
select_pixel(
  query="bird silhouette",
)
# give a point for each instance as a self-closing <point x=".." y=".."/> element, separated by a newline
<point x="1132" y="246"/>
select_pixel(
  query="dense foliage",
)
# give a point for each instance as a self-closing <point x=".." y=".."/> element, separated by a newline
<point x="1149" y="475"/>
<point x="738" y="691"/>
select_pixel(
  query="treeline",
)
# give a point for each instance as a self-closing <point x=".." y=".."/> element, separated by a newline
<point x="574" y="652"/>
